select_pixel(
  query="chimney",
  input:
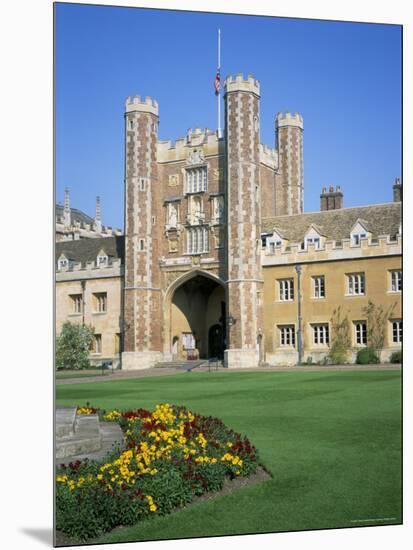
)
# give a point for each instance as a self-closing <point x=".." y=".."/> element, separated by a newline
<point x="97" y="226"/>
<point x="397" y="191"/>
<point x="331" y="199"/>
<point x="66" y="210"/>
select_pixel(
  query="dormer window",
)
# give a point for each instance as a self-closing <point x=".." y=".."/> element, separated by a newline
<point x="62" y="263"/>
<point x="273" y="240"/>
<point x="358" y="232"/>
<point x="313" y="240"/>
<point x="102" y="261"/>
<point x="356" y="237"/>
<point x="313" y="236"/>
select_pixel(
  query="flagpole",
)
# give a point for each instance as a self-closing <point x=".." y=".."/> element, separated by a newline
<point x="218" y="95"/>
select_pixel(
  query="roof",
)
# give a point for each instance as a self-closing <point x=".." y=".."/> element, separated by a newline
<point x="382" y="219"/>
<point x="87" y="250"/>
<point x="76" y="215"/>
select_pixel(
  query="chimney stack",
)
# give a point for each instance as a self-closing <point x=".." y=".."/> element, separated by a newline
<point x="66" y="210"/>
<point x="331" y="200"/>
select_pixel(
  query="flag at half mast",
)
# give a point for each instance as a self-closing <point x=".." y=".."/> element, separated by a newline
<point x="217" y="83"/>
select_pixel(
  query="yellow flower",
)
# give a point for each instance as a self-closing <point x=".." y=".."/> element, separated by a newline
<point x="153" y="508"/>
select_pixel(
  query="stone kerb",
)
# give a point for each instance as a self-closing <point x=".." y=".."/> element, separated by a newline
<point x="241" y="84"/>
<point x="289" y="119"/>
<point x="135" y="104"/>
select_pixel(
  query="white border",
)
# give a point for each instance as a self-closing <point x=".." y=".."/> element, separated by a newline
<point x="27" y="227"/>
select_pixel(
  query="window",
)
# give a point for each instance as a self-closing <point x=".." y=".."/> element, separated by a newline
<point x="131" y="125"/>
<point x="141" y="245"/>
<point x="355" y="284"/>
<point x="313" y="240"/>
<point x="357" y="236"/>
<point x="286" y="289"/>
<point x="321" y="334"/>
<point x="319" y="287"/>
<point x="396" y="281"/>
<point x="197" y="240"/>
<point x="62" y="263"/>
<point x="100" y="302"/>
<point x="142" y="185"/>
<point x="196" y="179"/>
<point x="287" y="335"/>
<point x="102" y="261"/>
<point x="397" y="332"/>
<point x="96" y="346"/>
<point x="76" y="300"/>
<point x="360" y="333"/>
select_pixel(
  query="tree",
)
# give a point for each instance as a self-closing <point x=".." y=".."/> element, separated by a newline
<point x="72" y="346"/>
<point x="340" y="337"/>
<point x="377" y="318"/>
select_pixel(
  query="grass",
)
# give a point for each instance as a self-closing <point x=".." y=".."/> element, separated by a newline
<point x="332" y="441"/>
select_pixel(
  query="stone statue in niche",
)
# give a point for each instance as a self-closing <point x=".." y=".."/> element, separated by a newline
<point x="173" y="246"/>
<point x="218" y="209"/>
<point x="196" y="209"/>
<point x="173" y="215"/>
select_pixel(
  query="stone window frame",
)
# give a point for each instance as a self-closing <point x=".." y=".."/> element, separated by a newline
<point x="356" y="284"/>
<point x="76" y="301"/>
<point x="63" y="263"/>
<point x="141" y="245"/>
<point x="96" y="345"/>
<point x="360" y="333"/>
<point x="100" y="302"/>
<point x="321" y="289"/>
<point x="396" y="332"/>
<point x="320" y="334"/>
<point x="193" y="246"/>
<point x="395" y="281"/>
<point x="289" y="330"/>
<point x="285" y="288"/>
<point x="196" y="184"/>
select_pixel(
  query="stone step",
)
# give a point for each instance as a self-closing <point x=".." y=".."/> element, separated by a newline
<point x="186" y="365"/>
<point x="85" y="439"/>
<point x="65" y="421"/>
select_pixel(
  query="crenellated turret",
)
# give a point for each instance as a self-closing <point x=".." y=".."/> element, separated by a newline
<point x="289" y="140"/>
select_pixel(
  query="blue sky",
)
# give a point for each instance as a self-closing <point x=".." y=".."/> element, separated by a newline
<point x="344" y="78"/>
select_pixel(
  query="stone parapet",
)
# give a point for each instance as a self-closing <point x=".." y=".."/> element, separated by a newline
<point x="241" y="84"/>
<point x="331" y="250"/>
<point x="289" y="119"/>
<point x="90" y="272"/>
<point x="136" y="104"/>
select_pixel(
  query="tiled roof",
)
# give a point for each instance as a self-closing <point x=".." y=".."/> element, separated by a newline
<point x="381" y="219"/>
<point x="87" y="250"/>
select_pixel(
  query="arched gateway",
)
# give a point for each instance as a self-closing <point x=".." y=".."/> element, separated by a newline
<point x="195" y="316"/>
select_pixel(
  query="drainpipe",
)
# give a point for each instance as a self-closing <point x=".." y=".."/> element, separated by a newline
<point x="83" y="284"/>
<point x="299" y="331"/>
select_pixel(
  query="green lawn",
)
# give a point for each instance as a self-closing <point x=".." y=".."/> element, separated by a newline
<point x="332" y="441"/>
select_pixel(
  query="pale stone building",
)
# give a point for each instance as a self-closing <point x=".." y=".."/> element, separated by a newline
<point x="214" y="228"/>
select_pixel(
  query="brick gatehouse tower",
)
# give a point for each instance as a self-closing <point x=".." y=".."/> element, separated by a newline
<point x="193" y="284"/>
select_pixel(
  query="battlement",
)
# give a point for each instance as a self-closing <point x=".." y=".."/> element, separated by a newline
<point x="241" y="84"/>
<point x="136" y="104"/>
<point x="289" y="119"/>
<point x="178" y="149"/>
<point x="268" y="156"/>
<point x="345" y="249"/>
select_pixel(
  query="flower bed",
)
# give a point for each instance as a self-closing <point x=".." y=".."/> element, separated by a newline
<point x="171" y="455"/>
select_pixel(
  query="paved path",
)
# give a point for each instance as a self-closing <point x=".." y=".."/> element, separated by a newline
<point x="166" y="371"/>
